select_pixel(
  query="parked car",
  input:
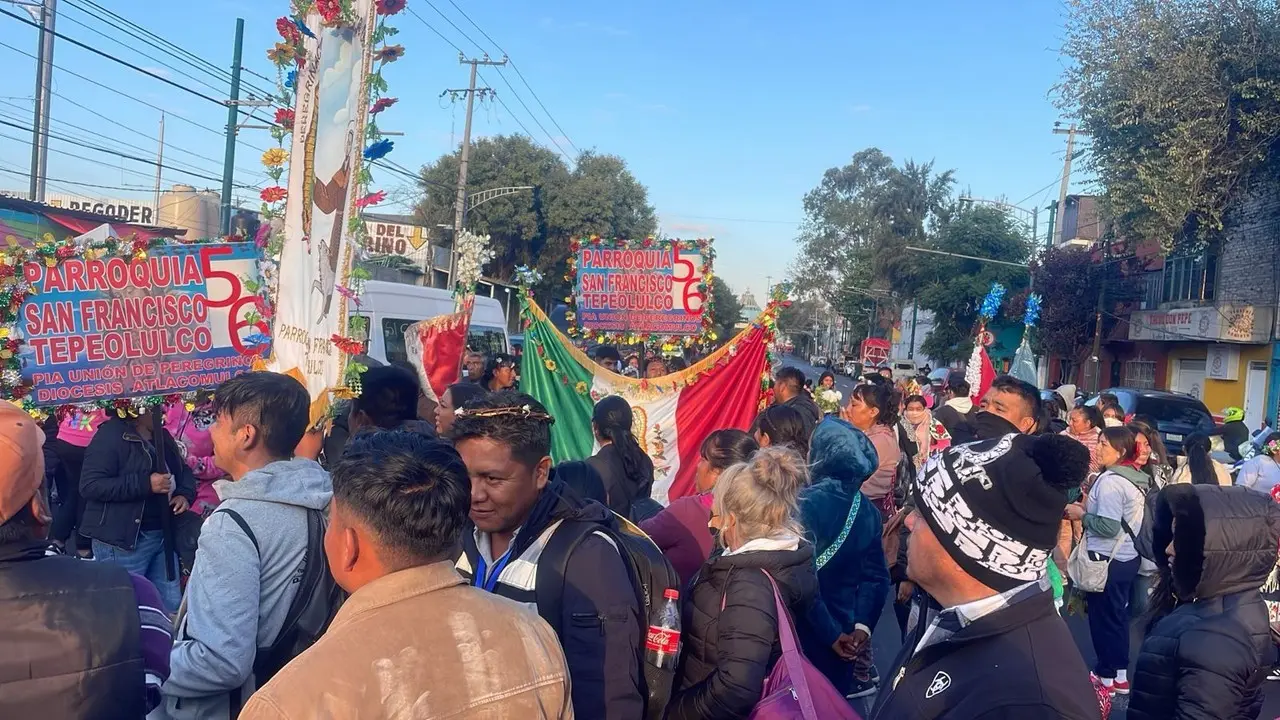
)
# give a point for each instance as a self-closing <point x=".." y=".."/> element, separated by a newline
<point x="1177" y="415"/>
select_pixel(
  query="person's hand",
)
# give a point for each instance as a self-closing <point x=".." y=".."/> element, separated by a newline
<point x="161" y="483"/>
<point x="1074" y="511"/>
<point x="905" y="589"/>
<point x="179" y="504"/>
<point x="858" y="639"/>
<point x="845" y="648"/>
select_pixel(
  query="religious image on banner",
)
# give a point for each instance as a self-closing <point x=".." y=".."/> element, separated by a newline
<point x="673" y="414"/>
<point x="316" y="259"/>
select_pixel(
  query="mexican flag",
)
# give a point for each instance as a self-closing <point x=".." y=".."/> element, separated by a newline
<point x="673" y="414"/>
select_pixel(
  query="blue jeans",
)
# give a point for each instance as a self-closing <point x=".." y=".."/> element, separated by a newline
<point x="147" y="559"/>
<point x="1109" y="617"/>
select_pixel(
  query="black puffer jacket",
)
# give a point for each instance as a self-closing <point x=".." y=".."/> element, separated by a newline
<point x="1208" y="657"/>
<point x="728" y="653"/>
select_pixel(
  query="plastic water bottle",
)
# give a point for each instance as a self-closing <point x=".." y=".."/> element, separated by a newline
<point x="662" y="646"/>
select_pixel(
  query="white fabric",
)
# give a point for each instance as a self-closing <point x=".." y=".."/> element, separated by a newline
<point x="786" y="541"/>
<point x="653" y="424"/>
<point x="1260" y="473"/>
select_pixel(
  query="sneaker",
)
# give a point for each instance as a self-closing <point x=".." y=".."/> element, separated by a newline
<point x="1107" y="684"/>
<point x="1274" y="675"/>
<point x="875" y="676"/>
<point x="1120" y="687"/>
<point x="861" y="688"/>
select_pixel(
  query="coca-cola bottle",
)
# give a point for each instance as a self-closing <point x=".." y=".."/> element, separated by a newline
<point x="662" y="646"/>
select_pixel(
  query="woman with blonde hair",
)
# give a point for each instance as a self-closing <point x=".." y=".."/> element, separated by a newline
<point x="731" y="623"/>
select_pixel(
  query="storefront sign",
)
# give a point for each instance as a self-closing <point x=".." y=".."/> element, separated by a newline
<point x="175" y="319"/>
<point x="653" y="288"/>
<point x="1221" y="323"/>
<point x="135" y="212"/>
<point x="409" y="241"/>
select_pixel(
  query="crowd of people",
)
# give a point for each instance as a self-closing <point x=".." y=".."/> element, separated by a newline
<point x="419" y="559"/>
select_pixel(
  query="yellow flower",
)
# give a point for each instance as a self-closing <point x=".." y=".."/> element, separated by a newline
<point x="549" y="364"/>
<point x="275" y="157"/>
<point x="581" y="387"/>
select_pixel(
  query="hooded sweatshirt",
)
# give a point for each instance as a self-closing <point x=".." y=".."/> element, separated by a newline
<point x="853" y="579"/>
<point x="1118" y="494"/>
<point x="238" y="596"/>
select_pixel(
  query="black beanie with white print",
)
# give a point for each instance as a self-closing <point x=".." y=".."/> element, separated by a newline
<point x="996" y="505"/>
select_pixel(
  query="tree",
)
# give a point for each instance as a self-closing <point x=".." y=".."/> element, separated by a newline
<point x="953" y="288"/>
<point x="727" y="310"/>
<point x="1070" y="281"/>
<point x="1182" y="100"/>
<point x="858" y="222"/>
<point x="598" y="196"/>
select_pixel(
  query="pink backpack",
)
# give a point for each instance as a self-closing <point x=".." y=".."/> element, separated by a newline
<point x="795" y="689"/>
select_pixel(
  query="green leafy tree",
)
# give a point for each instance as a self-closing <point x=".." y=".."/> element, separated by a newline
<point x="953" y="288"/>
<point x="598" y="196"/>
<point x="1182" y="100"/>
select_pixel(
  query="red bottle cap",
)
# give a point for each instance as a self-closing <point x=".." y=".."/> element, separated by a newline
<point x="671" y="594"/>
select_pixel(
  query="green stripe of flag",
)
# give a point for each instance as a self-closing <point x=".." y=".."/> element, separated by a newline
<point x="551" y="374"/>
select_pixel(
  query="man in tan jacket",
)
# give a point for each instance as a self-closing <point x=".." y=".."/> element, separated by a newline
<point x="414" y="640"/>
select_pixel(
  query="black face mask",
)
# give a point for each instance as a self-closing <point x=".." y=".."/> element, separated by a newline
<point x="989" y="425"/>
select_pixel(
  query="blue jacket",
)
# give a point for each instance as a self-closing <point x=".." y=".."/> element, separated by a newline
<point x="854" y="581"/>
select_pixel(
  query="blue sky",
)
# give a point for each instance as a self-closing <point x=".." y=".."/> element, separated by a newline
<point x="728" y="111"/>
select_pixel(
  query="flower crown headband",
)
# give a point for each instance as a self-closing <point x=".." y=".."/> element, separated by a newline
<point x="1272" y="448"/>
<point x="523" y="411"/>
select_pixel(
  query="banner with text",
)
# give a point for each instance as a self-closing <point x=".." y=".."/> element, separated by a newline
<point x="321" y="213"/>
<point x="111" y="327"/>
<point x="648" y="288"/>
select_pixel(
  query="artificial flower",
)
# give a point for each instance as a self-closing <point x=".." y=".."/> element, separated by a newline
<point x="280" y="54"/>
<point x="390" y="7"/>
<point x="549" y="364"/>
<point x="275" y="193"/>
<point x="275" y="157"/>
<point x="284" y="117"/>
<point x="330" y="11"/>
<point x="291" y="79"/>
<point x="381" y="104"/>
<point x="288" y="30"/>
<point x="389" y="53"/>
<point x="378" y="150"/>
<point x="581" y="387"/>
<point x="371" y="199"/>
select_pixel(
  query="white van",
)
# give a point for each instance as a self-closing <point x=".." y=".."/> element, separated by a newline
<point x="391" y="308"/>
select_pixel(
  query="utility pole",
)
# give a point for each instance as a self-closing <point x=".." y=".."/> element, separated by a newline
<point x="1071" y="133"/>
<point x="233" y="113"/>
<point x="911" y="349"/>
<point x="159" y="167"/>
<point x="460" y="204"/>
<point x="1095" y="356"/>
<point x="46" y="13"/>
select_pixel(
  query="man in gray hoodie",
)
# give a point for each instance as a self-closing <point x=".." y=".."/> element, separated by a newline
<point x="238" y="595"/>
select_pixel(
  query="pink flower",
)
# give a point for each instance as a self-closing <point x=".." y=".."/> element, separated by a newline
<point x="381" y="104"/>
<point x="371" y="199"/>
<point x="288" y="30"/>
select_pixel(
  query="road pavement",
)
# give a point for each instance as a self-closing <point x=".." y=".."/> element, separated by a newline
<point x="886" y="641"/>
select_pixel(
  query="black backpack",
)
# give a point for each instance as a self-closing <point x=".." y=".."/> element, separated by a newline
<point x="651" y="576"/>
<point x="311" y="611"/>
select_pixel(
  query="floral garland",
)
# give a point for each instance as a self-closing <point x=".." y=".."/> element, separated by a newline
<point x="668" y="343"/>
<point x="767" y="321"/>
<point x="289" y="55"/>
<point x="14" y="289"/>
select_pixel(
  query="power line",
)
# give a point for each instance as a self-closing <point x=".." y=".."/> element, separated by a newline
<point x="519" y="74"/>
<point x="455" y="27"/>
<point x="127" y="156"/>
<point x="178" y="53"/>
<point x="727" y="219"/>
<point x="125" y="63"/>
<point x="531" y="115"/>
<point x="432" y="28"/>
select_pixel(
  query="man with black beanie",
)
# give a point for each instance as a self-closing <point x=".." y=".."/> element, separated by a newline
<point x="985" y="521"/>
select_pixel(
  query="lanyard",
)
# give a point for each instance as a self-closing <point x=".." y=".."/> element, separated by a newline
<point x="489" y="580"/>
